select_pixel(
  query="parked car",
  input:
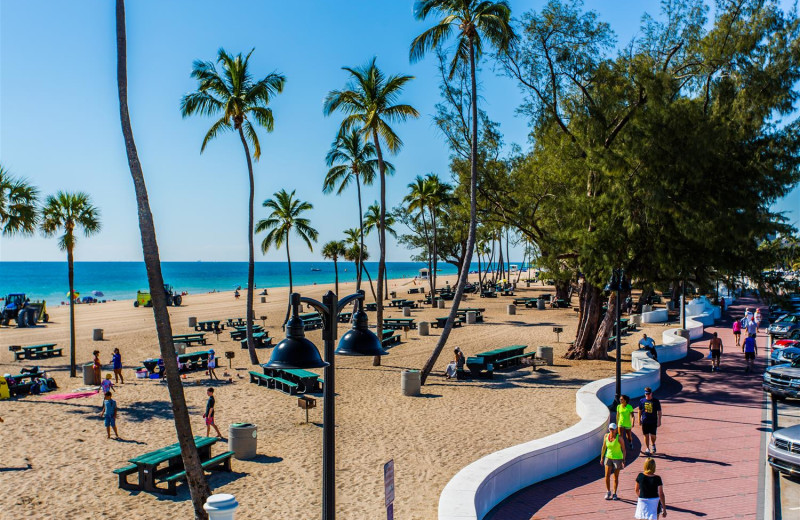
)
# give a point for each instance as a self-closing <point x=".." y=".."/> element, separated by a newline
<point x="783" y="380"/>
<point x="784" y="355"/>
<point x="787" y="326"/>
<point x="783" y="452"/>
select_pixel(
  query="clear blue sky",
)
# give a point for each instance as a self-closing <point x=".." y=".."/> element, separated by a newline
<point x="59" y="122"/>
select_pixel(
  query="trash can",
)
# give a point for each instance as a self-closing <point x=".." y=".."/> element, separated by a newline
<point x="406" y="312"/>
<point x="472" y="317"/>
<point x="97" y="334"/>
<point x="243" y="440"/>
<point x="180" y="348"/>
<point x="540" y="304"/>
<point x="263" y="299"/>
<point x="440" y="304"/>
<point x="423" y="328"/>
<point x="545" y="353"/>
<point x="511" y="309"/>
<point x="88" y="374"/>
<point x="192" y="321"/>
<point x="410" y="382"/>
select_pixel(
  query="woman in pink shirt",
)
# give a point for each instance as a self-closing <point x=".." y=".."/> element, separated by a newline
<point x="737" y="331"/>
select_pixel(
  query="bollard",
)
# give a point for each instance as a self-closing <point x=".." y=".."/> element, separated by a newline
<point x="472" y="317"/>
<point x="545" y="353"/>
<point x="423" y="328"/>
<point x="410" y="382"/>
<point x="406" y="312"/>
<point x="263" y="299"/>
<point x="512" y="309"/>
<point x="192" y="321"/>
<point x="440" y="304"/>
<point x="97" y="335"/>
<point x="221" y="506"/>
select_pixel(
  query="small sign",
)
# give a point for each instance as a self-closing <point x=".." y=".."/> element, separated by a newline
<point x="388" y="486"/>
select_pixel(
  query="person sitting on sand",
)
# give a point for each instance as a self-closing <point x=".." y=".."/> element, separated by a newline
<point x="457" y="364"/>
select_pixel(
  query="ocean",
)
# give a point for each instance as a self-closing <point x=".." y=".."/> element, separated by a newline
<point x="121" y="280"/>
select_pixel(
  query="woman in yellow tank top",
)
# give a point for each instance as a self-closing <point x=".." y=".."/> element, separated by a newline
<point x="612" y="457"/>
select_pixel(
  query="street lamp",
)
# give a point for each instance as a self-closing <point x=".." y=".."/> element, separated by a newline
<point x="296" y="351"/>
<point x="618" y="283"/>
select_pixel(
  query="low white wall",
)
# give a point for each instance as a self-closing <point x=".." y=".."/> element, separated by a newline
<point x="656" y="316"/>
<point x="483" y="484"/>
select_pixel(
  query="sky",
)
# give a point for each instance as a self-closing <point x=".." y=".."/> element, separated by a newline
<point x="59" y="114"/>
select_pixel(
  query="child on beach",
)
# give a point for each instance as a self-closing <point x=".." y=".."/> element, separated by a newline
<point x="212" y="364"/>
<point x="106" y="386"/>
<point x="116" y="361"/>
<point x="209" y="415"/>
<point x="109" y="414"/>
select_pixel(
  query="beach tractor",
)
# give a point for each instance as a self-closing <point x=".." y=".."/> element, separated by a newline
<point x="143" y="298"/>
<point x="18" y="307"/>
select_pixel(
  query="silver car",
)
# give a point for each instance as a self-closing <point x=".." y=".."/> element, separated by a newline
<point x="787" y="326"/>
<point x="783" y="380"/>
<point x="784" y="355"/>
<point x="783" y="452"/>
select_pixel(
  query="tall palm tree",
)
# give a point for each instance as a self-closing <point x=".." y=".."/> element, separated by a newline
<point x="285" y="217"/>
<point x="70" y="212"/>
<point x="18" y="213"/>
<point x="240" y="102"/>
<point x="439" y="194"/>
<point x="477" y="24"/>
<point x="354" y="246"/>
<point x="198" y="486"/>
<point x="369" y="102"/>
<point x="334" y="250"/>
<point x="372" y="220"/>
<point x="351" y="159"/>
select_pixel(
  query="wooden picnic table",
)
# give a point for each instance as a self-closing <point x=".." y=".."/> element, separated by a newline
<point x="45" y="350"/>
<point x="399" y="323"/>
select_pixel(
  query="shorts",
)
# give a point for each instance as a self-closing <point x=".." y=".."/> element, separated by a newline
<point x="649" y="428"/>
<point x="749" y="355"/>
<point x="110" y="422"/>
<point x="615" y="463"/>
<point x="737" y="332"/>
<point x="715" y="354"/>
<point x="209" y="421"/>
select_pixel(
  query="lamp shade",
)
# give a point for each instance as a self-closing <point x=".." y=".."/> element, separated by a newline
<point x="360" y="342"/>
<point x="295" y="352"/>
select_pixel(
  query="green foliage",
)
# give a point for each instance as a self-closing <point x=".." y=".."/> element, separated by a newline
<point x="284" y="217"/>
<point x="334" y="250"/>
<point x="372" y="220"/>
<point x="350" y="159"/>
<point x="18" y="212"/>
<point x="69" y="212"/>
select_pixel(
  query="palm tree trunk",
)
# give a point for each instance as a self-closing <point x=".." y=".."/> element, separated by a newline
<point x="361" y="232"/>
<point x="381" y="238"/>
<point x="371" y="285"/>
<point x="71" y="278"/>
<point x="435" y="259"/>
<point x="289" y="262"/>
<point x="430" y="258"/>
<point x="251" y="263"/>
<point x="462" y="278"/>
<point x="198" y="487"/>
<point x="336" y="274"/>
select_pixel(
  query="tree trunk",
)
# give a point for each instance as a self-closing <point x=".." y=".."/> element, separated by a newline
<point x="435" y="259"/>
<point x="336" y="274"/>
<point x="430" y="256"/>
<point x="599" y="348"/>
<point x="590" y="298"/>
<point x="562" y="289"/>
<point x="289" y="263"/>
<point x="361" y="232"/>
<point x="462" y="278"/>
<point x="381" y="238"/>
<point x="644" y="297"/>
<point x="371" y="285"/>
<point x="71" y="278"/>
<point x="251" y="263"/>
<point x="198" y="487"/>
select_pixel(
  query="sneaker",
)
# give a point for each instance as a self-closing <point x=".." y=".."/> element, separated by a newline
<point x="647" y="452"/>
<point x="654" y="449"/>
<point x="614" y="497"/>
<point x="608" y="495"/>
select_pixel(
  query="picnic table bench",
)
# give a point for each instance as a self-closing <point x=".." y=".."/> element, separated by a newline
<point x="236" y="322"/>
<point x="261" y="340"/>
<point x="42" y="351"/>
<point x="187" y="362"/>
<point x="373" y="306"/>
<point x="165" y="465"/>
<point x="441" y="322"/>
<point x="209" y="326"/>
<point x="240" y="333"/>
<point x="345" y="317"/>
<point x="477" y="368"/>
<point x="388" y="337"/>
<point x="189" y="339"/>
<point x="288" y="381"/>
<point x="523" y="301"/>
<point x="415" y="290"/>
<point x="559" y="304"/>
<point x="462" y="313"/>
<point x="399" y="323"/>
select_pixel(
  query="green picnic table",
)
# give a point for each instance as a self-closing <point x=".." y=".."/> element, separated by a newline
<point x="399" y="323"/>
<point x="396" y="302"/>
<point x="188" y="339"/>
<point x="345" y="317"/>
<point x="373" y="306"/>
<point x="261" y="340"/>
<point x="236" y="322"/>
<point x="208" y="326"/>
<point x="493" y="356"/>
<point x="45" y="350"/>
<point x="441" y="322"/>
<point x="289" y="381"/>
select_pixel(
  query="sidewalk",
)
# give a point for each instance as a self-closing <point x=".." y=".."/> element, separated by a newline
<point x="708" y="446"/>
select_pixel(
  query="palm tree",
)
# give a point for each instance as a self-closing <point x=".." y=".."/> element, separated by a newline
<point x="285" y="217"/>
<point x="70" y="212"/>
<point x="240" y="101"/>
<point x="372" y="220"/>
<point x="18" y="213"/>
<point x="332" y="251"/>
<point x="351" y="159"/>
<point x="418" y="201"/>
<point x="478" y="24"/>
<point x="354" y="245"/>
<point x="369" y="102"/>
<point x="198" y="486"/>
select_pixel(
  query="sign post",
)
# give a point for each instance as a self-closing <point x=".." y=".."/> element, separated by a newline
<point x="388" y="486"/>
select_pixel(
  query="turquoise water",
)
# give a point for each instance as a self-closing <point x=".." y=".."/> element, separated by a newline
<point x="121" y="280"/>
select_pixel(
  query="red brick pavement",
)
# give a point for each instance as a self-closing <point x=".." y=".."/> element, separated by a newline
<point x="709" y="451"/>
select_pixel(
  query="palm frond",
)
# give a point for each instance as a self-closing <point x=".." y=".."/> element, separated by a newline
<point x="252" y="137"/>
<point x="430" y="39"/>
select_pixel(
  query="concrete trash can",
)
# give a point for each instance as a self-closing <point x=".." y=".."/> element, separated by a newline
<point x="540" y="304"/>
<point x="423" y="328"/>
<point x="192" y="321"/>
<point x="243" y="440"/>
<point x="545" y="353"/>
<point x="647" y="308"/>
<point x="180" y="348"/>
<point x="472" y="317"/>
<point x="97" y="335"/>
<point x="263" y="299"/>
<point x="636" y="319"/>
<point x="440" y="304"/>
<point x="88" y="374"/>
<point x="512" y="309"/>
<point x="406" y="312"/>
<point x="410" y="382"/>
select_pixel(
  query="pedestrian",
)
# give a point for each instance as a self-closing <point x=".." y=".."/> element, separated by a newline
<point x="612" y="458"/>
<point x="737" y="331"/>
<point x="236" y="294"/>
<point x="650" y="490"/>
<point x="751" y="327"/>
<point x="629" y="304"/>
<point x="209" y="414"/>
<point x="715" y="348"/>
<point x="212" y="364"/>
<point x="96" y="367"/>
<point x="106" y="385"/>
<point x="757" y="318"/>
<point x="109" y="414"/>
<point x="625" y="419"/>
<point x="750" y="350"/>
<point x="650" y="419"/>
<point x="116" y="362"/>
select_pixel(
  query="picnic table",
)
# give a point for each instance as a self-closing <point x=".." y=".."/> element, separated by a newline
<point x="441" y="322"/>
<point x="165" y="465"/>
<point x="240" y="333"/>
<point x="22" y="383"/>
<point x="188" y="339"/>
<point x="311" y="320"/>
<point x="208" y="326"/>
<point x="42" y="351"/>
<point x="288" y="381"/>
<point x="462" y="313"/>
<point x="189" y="361"/>
<point x="559" y="304"/>
<point x="399" y="323"/>
<point x="504" y="357"/>
<point x="261" y="340"/>
<point x="488" y="294"/>
<point x="396" y="302"/>
<point x="236" y="322"/>
<point x="415" y="290"/>
<point x="345" y="317"/>
<point x="388" y="337"/>
<point x="373" y="306"/>
<point x="507" y="292"/>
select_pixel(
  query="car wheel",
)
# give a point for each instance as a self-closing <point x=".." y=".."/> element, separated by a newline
<point x="796" y="334"/>
<point x="135" y="303"/>
<point x="46" y="318"/>
<point x="176" y="301"/>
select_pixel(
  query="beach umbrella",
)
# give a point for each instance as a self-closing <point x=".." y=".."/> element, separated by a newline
<point x="99" y="294"/>
<point x="75" y="294"/>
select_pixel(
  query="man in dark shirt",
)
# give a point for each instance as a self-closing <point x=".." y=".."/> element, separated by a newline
<point x="649" y="418"/>
<point x="209" y="415"/>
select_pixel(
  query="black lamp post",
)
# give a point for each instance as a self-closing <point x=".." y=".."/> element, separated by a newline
<point x="618" y="284"/>
<point x="296" y="351"/>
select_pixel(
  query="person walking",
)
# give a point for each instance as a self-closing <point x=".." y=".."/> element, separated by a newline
<point x="625" y="419"/>
<point x="737" y="331"/>
<point x="751" y="327"/>
<point x="612" y="458"/>
<point x="650" y="492"/>
<point x="750" y="350"/>
<point x="757" y="318"/>
<point x="209" y="414"/>
<point x="212" y="364"/>
<point x="109" y="414"/>
<point x="650" y="419"/>
<point x="116" y="362"/>
<point x="715" y="348"/>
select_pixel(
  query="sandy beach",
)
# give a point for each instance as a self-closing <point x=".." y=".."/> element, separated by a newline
<point x="57" y="462"/>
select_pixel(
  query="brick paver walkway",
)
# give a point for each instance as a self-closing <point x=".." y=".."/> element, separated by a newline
<point x="708" y="447"/>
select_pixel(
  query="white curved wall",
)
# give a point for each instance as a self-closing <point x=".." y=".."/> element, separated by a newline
<point x="656" y="316"/>
<point x="483" y="484"/>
